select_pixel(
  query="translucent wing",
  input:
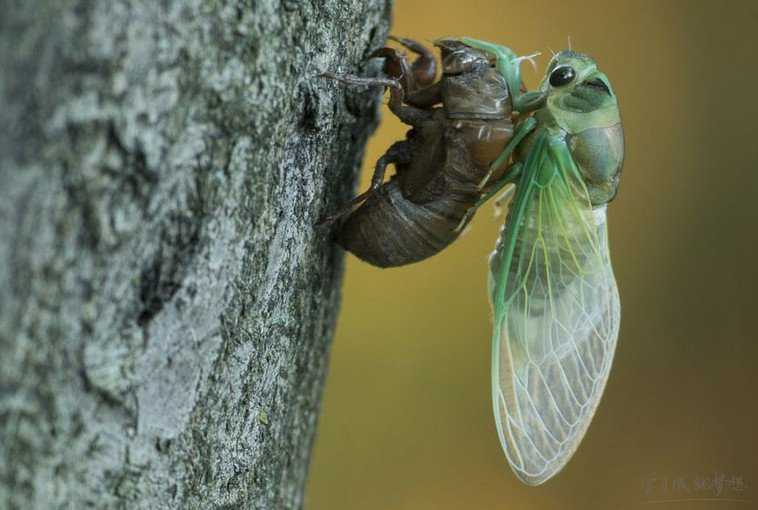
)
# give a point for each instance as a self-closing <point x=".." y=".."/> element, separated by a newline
<point x="556" y="314"/>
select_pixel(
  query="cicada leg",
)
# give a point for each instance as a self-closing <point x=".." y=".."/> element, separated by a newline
<point x="407" y="114"/>
<point x="417" y="77"/>
<point x="523" y="128"/>
<point x="349" y="79"/>
<point x="489" y="189"/>
<point x="494" y="188"/>
<point x="424" y="67"/>
<point x="399" y="152"/>
<point x="412" y="91"/>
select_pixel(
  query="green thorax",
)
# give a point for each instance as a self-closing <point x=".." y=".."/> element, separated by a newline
<point x="581" y="109"/>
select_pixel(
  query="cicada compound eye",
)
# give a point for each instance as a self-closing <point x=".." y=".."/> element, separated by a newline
<point x="562" y="75"/>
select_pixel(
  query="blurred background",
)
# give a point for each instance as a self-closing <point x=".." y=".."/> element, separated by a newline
<point x="406" y="420"/>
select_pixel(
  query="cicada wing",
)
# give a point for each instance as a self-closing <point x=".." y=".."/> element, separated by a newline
<point x="556" y="315"/>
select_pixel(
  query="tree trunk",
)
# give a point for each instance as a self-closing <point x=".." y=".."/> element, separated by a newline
<point x="166" y="302"/>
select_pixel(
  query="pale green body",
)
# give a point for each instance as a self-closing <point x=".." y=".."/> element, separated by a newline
<point x="553" y="294"/>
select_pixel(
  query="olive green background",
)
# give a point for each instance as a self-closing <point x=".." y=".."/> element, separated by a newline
<point x="406" y="420"/>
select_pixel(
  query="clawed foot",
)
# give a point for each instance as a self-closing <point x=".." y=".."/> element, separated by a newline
<point x="401" y="74"/>
<point x="362" y="81"/>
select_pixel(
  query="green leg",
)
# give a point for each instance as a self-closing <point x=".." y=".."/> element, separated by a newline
<point x="506" y="63"/>
<point x="523" y="128"/>
<point x="529" y="101"/>
<point x="509" y="67"/>
<point x="512" y="177"/>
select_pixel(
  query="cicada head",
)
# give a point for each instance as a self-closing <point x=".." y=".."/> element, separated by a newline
<point x="579" y="95"/>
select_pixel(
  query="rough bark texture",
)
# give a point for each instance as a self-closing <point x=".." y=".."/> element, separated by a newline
<point x="166" y="304"/>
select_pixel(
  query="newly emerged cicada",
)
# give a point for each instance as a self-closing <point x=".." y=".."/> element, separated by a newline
<point x="555" y="302"/>
<point x="552" y="289"/>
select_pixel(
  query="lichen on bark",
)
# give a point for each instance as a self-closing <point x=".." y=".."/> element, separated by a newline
<point x="166" y="303"/>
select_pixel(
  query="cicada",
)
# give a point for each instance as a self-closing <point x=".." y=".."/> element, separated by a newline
<point x="554" y="298"/>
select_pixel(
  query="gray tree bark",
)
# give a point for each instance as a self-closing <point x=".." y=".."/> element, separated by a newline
<point x="166" y="303"/>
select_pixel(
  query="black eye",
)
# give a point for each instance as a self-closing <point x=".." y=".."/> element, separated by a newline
<point x="562" y="76"/>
